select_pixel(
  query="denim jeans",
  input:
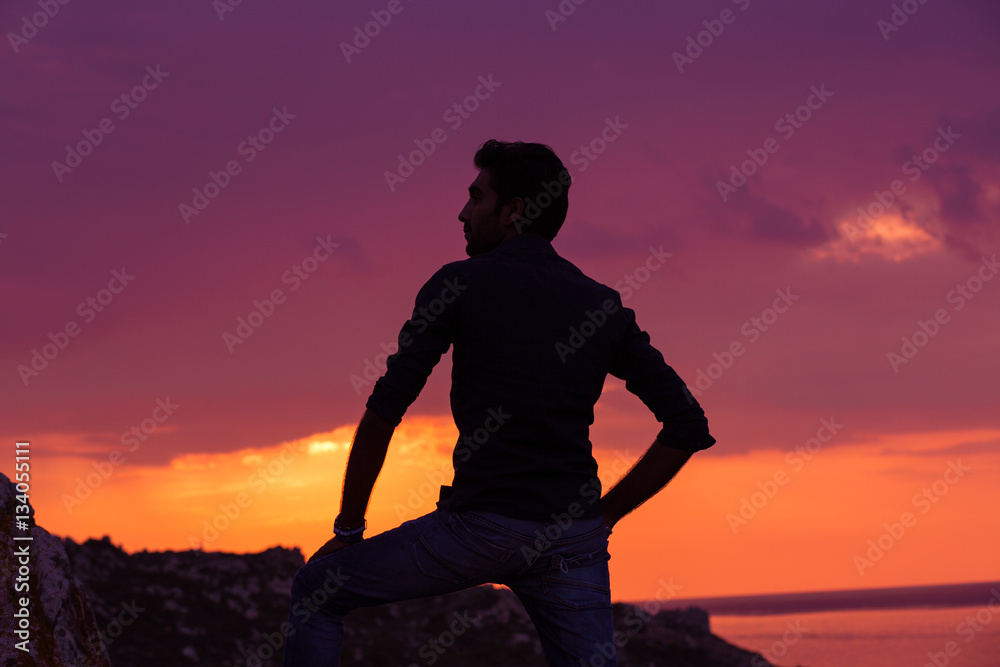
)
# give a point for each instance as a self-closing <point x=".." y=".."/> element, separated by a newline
<point x="560" y="576"/>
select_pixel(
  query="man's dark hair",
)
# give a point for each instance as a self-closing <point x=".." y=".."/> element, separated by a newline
<point x="532" y="172"/>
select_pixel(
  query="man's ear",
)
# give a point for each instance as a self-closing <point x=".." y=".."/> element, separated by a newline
<point x="516" y="208"/>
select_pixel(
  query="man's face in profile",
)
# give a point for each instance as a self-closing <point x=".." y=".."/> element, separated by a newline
<point x="484" y="225"/>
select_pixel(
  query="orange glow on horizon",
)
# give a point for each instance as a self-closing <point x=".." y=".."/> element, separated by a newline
<point x="767" y="521"/>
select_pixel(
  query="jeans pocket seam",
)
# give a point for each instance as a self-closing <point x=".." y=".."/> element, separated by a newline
<point x="549" y="585"/>
<point x="459" y="576"/>
<point x="421" y="544"/>
<point x="486" y="523"/>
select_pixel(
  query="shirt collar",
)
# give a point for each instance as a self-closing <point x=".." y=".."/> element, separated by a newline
<point x="527" y="241"/>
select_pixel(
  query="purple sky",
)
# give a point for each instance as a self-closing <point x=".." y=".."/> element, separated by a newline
<point x="62" y="235"/>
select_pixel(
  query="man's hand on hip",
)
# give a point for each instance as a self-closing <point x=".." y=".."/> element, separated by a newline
<point x="332" y="545"/>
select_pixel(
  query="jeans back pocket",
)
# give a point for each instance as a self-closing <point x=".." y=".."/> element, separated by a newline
<point x="579" y="581"/>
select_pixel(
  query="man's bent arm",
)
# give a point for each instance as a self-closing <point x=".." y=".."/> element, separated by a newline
<point x="650" y="474"/>
<point x="371" y="441"/>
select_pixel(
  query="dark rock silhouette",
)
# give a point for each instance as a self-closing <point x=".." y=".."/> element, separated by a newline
<point x="60" y="620"/>
<point x="92" y="601"/>
<point x="223" y="609"/>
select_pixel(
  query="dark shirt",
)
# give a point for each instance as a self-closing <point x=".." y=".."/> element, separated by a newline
<point x="534" y="339"/>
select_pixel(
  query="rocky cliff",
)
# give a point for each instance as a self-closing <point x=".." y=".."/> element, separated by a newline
<point x="150" y="609"/>
<point x="222" y="609"/>
<point x="56" y="626"/>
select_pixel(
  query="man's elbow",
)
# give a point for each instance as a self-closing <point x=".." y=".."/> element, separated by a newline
<point x="375" y="418"/>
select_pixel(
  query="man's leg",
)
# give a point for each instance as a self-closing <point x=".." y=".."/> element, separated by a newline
<point x="567" y="594"/>
<point x="432" y="555"/>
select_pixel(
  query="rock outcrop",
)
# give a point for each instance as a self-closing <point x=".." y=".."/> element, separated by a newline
<point x="60" y="628"/>
<point x="93" y="604"/>
<point x="222" y="609"/>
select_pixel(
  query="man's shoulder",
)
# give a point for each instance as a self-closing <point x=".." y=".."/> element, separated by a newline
<point x="492" y="266"/>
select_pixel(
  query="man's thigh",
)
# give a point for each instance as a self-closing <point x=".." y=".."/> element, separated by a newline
<point x="567" y="594"/>
<point x="431" y="555"/>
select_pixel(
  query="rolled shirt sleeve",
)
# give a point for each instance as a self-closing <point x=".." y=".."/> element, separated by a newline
<point x="648" y="376"/>
<point x="423" y="339"/>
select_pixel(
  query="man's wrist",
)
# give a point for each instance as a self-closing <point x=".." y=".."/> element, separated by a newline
<point x="352" y="531"/>
<point x="349" y="523"/>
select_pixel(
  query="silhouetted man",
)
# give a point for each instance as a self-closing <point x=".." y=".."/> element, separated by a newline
<point x="534" y="339"/>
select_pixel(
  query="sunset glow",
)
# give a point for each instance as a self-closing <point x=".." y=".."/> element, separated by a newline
<point x="213" y="228"/>
<point x="801" y="532"/>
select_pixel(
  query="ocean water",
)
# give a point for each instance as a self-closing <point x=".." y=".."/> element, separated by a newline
<point x="871" y="638"/>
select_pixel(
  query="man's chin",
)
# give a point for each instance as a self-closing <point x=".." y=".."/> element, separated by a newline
<point x="472" y="249"/>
